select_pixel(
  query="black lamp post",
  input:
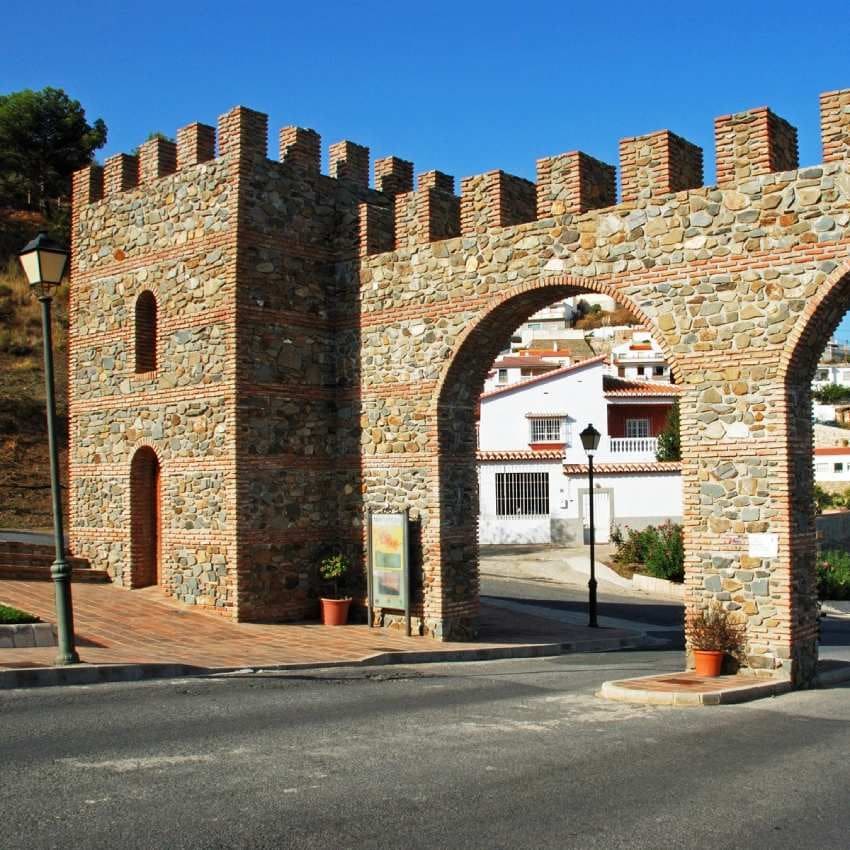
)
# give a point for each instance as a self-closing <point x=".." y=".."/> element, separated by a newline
<point x="43" y="262"/>
<point x="590" y="440"/>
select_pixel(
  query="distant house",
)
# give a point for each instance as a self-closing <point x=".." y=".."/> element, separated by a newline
<point x="533" y="469"/>
<point x="510" y="369"/>
<point x="640" y="359"/>
<point x="832" y="464"/>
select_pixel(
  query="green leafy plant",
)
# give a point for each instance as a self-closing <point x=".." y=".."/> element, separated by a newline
<point x="665" y="556"/>
<point x="833" y="575"/>
<point x="822" y="499"/>
<point x="334" y="570"/>
<point x="669" y="440"/>
<point x="832" y="393"/>
<point x="711" y="629"/>
<point x="658" y="549"/>
<point x="12" y="616"/>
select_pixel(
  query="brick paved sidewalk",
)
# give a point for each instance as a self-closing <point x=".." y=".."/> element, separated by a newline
<point x="116" y="626"/>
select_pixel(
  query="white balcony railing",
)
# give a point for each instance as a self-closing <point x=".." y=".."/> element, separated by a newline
<point x="644" y="446"/>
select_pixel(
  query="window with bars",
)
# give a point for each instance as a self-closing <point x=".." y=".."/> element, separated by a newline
<point x="546" y="429"/>
<point x="524" y="494"/>
<point x="637" y="427"/>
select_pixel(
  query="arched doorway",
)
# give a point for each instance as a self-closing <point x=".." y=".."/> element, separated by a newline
<point x="450" y="538"/>
<point x="798" y="365"/>
<point x="145" y="519"/>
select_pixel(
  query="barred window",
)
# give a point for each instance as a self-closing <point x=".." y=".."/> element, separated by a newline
<point x="523" y="494"/>
<point x="546" y="429"/>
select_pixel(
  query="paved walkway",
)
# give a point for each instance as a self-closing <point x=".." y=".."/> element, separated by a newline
<point x="116" y="626"/>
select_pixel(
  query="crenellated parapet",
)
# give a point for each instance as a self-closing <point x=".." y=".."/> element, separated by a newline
<point x="658" y="164"/>
<point x="835" y="125"/>
<point x="495" y="199"/>
<point x="574" y="183"/>
<point x="393" y="175"/>
<point x="751" y="143"/>
<point x="302" y="148"/>
<point x="195" y="143"/>
<point x="429" y="214"/>
<point x="748" y="144"/>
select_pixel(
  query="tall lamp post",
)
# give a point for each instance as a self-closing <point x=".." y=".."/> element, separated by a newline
<point x="43" y="262"/>
<point x="590" y="440"/>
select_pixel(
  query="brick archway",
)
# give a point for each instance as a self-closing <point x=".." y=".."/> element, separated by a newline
<point x="145" y="518"/>
<point x="452" y="541"/>
<point x="800" y="357"/>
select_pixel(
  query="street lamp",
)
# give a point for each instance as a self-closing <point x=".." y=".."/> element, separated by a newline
<point x="43" y="262"/>
<point x="590" y="440"/>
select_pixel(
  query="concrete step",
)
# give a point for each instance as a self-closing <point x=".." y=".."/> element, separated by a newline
<point x="32" y="562"/>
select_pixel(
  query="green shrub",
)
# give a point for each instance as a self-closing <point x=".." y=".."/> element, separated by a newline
<point x="833" y="572"/>
<point x="12" y="616"/>
<point x="665" y="557"/>
<point x="659" y="549"/>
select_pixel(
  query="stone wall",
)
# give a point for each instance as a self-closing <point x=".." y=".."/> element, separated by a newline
<point x="358" y="337"/>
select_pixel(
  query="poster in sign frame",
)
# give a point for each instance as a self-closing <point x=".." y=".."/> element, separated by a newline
<point x="388" y="563"/>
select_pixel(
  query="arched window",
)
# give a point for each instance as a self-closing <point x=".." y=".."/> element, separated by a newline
<point x="146" y="332"/>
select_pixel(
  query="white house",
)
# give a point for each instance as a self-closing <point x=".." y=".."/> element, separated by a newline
<point x="640" y="359"/>
<point x="832" y="464"/>
<point x="533" y="468"/>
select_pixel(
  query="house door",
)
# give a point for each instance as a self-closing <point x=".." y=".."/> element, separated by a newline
<point x="601" y="515"/>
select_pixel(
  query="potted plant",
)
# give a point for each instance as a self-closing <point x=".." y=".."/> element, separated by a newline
<point x="333" y="570"/>
<point x="712" y="637"/>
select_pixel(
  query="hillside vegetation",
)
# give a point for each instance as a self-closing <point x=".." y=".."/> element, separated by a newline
<point x="24" y="468"/>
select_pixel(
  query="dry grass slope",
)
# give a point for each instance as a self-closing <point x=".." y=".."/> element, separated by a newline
<point x="24" y="470"/>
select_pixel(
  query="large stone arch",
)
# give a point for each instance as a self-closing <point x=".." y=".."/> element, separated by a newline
<point x="800" y="356"/>
<point x="452" y="535"/>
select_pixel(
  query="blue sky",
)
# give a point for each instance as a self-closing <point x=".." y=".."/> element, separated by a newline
<point x="462" y="87"/>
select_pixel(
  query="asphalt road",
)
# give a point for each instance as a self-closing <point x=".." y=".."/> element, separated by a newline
<point x="512" y="754"/>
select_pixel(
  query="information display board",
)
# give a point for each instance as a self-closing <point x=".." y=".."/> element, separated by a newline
<point x="388" y="563"/>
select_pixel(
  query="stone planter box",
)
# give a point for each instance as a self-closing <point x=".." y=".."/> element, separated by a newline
<point x="26" y="635"/>
<point x="658" y="586"/>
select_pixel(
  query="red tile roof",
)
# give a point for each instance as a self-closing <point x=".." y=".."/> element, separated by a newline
<point x="622" y="388"/>
<point x="833" y="450"/>
<point x="530" y="360"/>
<point x="555" y="373"/>
<point x="512" y="455"/>
<point x="614" y="468"/>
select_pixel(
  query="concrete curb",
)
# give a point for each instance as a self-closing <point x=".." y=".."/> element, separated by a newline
<point x="94" y="674"/>
<point x="26" y="635"/>
<point x="659" y="587"/>
<point x="614" y="690"/>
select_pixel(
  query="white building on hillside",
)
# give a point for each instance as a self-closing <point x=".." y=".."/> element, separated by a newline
<point x="640" y="359"/>
<point x="533" y="469"/>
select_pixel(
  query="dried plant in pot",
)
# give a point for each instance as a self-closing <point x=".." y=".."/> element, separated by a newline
<point x="334" y="571"/>
<point x="712" y="637"/>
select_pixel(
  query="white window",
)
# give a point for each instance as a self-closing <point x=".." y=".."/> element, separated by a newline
<point x="522" y="494"/>
<point x="822" y="468"/>
<point x="546" y="429"/>
<point x="637" y="427"/>
<point x="503" y="376"/>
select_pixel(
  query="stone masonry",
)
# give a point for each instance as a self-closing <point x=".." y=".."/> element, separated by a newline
<point x="320" y="347"/>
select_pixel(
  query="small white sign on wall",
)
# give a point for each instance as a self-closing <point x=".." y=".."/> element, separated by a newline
<point x="763" y="545"/>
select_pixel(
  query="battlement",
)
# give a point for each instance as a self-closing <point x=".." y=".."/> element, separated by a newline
<point x="748" y="144"/>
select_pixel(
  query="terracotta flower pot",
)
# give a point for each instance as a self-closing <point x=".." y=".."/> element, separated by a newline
<point x="335" y="611"/>
<point x="708" y="662"/>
